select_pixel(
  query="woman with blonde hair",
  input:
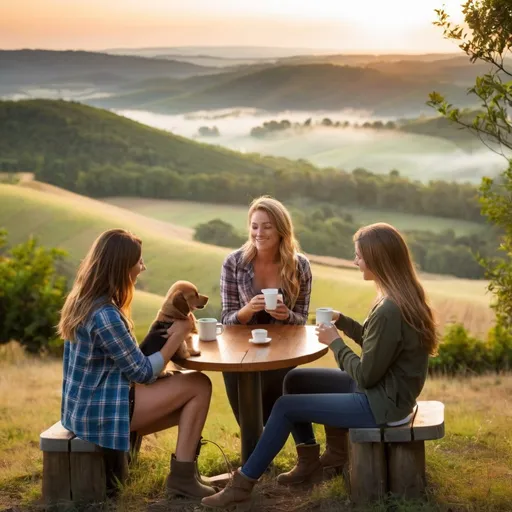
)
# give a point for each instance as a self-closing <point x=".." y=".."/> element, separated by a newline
<point x="269" y="259"/>
<point x="377" y="388"/>
<point x="109" y="386"/>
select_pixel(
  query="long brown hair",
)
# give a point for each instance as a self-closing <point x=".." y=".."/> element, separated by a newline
<point x="288" y="246"/>
<point x="103" y="277"/>
<point x="387" y="256"/>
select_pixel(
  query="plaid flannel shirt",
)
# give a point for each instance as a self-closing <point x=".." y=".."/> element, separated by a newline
<point x="236" y="290"/>
<point x="98" y="368"/>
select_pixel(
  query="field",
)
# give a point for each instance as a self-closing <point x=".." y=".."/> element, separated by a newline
<point x="189" y="213"/>
<point x="469" y="470"/>
<point x="72" y="222"/>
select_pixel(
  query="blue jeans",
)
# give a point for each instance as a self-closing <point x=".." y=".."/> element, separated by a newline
<point x="312" y="395"/>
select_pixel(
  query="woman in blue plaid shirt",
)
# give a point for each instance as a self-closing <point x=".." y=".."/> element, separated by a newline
<point x="269" y="259"/>
<point x="109" y="386"/>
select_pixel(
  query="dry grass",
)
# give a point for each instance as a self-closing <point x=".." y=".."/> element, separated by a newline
<point x="469" y="470"/>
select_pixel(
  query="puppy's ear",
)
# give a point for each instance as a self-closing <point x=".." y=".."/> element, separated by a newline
<point x="179" y="302"/>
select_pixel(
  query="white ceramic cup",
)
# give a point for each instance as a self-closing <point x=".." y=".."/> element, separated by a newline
<point x="323" y="316"/>
<point x="209" y="329"/>
<point x="259" y="335"/>
<point x="270" y="298"/>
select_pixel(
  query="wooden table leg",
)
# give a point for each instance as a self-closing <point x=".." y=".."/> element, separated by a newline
<point x="251" y="411"/>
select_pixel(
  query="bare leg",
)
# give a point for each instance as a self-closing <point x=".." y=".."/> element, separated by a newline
<point x="187" y="395"/>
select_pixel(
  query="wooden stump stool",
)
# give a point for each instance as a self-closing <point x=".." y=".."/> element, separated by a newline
<point x="77" y="471"/>
<point x="392" y="460"/>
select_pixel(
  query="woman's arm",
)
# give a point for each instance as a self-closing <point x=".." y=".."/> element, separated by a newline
<point x="299" y="314"/>
<point x="381" y="343"/>
<point x="232" y="312"/>
<point x="353" y="329"/>
<point x="116" y="340"/>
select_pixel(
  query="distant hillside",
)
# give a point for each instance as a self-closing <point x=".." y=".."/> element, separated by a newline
<point x="98" y="153"/>
<point x="311" y="87"/>
<point x="43" y="67"/>
<point x="439" y="126"/>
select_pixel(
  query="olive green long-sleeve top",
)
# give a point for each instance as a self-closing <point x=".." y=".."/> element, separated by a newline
<point x="392" y="368"/>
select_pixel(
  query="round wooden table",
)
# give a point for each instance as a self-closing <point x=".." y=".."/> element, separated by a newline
<point x="291" y="345"/>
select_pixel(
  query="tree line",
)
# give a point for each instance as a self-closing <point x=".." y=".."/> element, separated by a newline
<point x="391" y="192"/>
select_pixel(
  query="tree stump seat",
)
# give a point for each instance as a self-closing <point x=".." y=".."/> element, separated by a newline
<point x="391" y="460"/>
<point x="77" y="471"/>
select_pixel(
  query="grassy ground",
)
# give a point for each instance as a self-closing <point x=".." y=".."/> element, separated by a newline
<point x="469" y="470"/>
<point x="189" y="214"/>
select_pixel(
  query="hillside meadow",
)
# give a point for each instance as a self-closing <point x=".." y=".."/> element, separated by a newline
<point x="72" y="222"/>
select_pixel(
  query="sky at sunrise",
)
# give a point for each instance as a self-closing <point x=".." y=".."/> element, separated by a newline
<point x="344" y="25"/>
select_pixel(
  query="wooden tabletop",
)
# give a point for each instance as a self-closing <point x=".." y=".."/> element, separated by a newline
<point x="291" y="345"/>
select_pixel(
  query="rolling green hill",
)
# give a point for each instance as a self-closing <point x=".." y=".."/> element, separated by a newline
<point x="98" y="153"/>
<point x="312" y="87"/>
<point x="49" y="129"/>
<point x="72" y="222"/>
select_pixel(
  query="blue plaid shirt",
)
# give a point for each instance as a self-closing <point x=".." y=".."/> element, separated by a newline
<point x="98" y="369"/>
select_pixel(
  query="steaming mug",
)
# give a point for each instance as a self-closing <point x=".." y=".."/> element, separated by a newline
<point x="209" y="329"/>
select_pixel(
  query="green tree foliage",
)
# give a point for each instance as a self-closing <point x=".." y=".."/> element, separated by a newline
<point x="31" y="294"/>
<point x="487" y="37"/>
<point x="218" y="232"/>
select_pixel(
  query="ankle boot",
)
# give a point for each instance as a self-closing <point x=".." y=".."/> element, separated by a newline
<point x="238" y="490"/>
<point x="308" y="468"/>
<point x="182" y="481"/>
<point x="336" y="455"/>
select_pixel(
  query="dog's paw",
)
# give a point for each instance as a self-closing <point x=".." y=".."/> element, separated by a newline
<point x="164" y="374"/>
<point x="194" y="352"/>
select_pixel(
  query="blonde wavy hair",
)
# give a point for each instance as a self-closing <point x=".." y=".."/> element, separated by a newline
<point x="387" y="256"/>
<point x="102" y="278"/>
<point x="288" y="246"/>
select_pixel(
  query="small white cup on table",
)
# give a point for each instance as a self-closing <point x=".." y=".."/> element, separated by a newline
<point x="209" y="329"/>
<point x="259" y="335"/>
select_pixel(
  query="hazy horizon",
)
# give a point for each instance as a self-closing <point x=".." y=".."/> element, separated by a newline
<point x="368" y="26"/>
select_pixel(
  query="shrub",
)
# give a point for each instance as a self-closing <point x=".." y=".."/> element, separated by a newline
<point x="218" y="232"/>
<point x="459" y="352"/>
<point x="31" y="295"/>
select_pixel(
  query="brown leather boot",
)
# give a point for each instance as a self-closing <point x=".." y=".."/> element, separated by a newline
<point x="335" y="458"/>
<point x="182" y="481"/>
<point x="308" y="468"/>
<point x="238" y="490"/>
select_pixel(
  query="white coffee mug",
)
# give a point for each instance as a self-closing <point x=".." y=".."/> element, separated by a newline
<point x="259" y="335"/>
<point x="209" y="329"/>
<point x="270" y="298"/>
<point x="323" y="316"/>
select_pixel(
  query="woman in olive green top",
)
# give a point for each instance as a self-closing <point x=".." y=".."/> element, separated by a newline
<point x="378" y="387"/>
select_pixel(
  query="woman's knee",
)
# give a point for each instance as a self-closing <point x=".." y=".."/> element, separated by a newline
<point x="284" y="404"/>
<point x="198" y="383"/>
<point x="293" y="382"/>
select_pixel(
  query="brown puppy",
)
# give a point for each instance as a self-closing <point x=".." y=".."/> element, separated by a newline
<point x="180" y="302"/>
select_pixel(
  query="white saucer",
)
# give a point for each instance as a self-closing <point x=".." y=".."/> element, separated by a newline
<point x="267" y="340"/>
